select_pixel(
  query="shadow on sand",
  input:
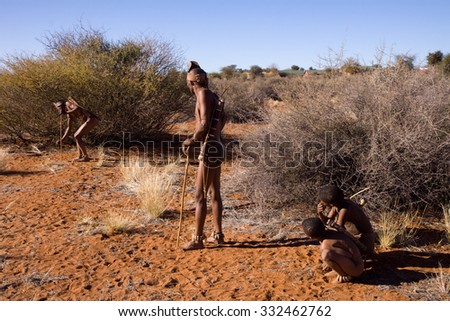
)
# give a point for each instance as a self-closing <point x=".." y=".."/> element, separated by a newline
<point x="392" y="268"/>
<point x="22" y="173"/>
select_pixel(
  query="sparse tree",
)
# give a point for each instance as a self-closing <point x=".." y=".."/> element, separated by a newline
<point x="434" y="58"/>
<point x="445" y="65"/>
<point x="228" y="71"/>
<point x="256" y="71"/>
<point x="295" y="67"/>
<point x="405" y="61"/>
<point x="351" y="66"/>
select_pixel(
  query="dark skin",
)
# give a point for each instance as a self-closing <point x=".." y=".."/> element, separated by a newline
<point x="73" y="111"/>
<point x="340" y="254"/>
<point x="348" y="211"/>
<point x="208" y="178"/>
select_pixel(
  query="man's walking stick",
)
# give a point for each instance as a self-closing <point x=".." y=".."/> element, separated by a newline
<point x="182" y="198"/>
<point x="60" y="136"/>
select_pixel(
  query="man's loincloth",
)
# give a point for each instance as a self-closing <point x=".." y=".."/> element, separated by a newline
<point x="212" y="154"/>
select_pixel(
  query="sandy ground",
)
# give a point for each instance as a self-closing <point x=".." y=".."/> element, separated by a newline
<point x="46" y="254"/>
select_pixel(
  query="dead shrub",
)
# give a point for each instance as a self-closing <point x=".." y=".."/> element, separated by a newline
<point x="245" y="100"/>
<point x="387" y="129"/>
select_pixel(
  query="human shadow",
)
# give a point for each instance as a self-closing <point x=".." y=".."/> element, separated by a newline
<point x="427" y="236"/>
<point x="400" y="266"/>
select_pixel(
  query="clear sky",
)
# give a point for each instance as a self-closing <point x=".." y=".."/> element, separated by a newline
<point x="241" y="32"/>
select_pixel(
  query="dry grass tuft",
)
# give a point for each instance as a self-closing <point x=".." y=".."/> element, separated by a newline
<point x="435" y="287"/>
<point x="397" y="228"/>
<point x="441" y="281"/>
<point x="3" y="159"/>
<point x="119" y="222"/>
<point x="114" y="222"/>
<point x="154" y="185"/>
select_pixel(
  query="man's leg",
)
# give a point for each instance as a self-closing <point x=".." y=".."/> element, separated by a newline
<point x="342" y="263"/>
<point x="82" y="131"/>
<point x="202" y="182"/>
<point x="216" y="206"/>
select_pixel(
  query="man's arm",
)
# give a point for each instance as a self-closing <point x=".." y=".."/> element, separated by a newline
<point x="202" y="124"/>
<point x="69" y="127"/>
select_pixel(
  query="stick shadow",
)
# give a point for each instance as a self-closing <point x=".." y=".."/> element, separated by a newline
<point x="294" y="242"/>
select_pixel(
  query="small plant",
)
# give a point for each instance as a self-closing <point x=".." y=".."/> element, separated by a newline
<point x="154" y="185"/>
<point x="396" y="228"/>
<point x="388" y="230"/>
<point x="119" y="222"/>
<point x="441" y="281"/>
<point x="132" y="173"/>
<point x="156" y="191"/>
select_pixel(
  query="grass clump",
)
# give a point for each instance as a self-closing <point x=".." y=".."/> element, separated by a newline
<point x="3" y="159"/>
<point x="154" y="185"/>
<point x="396" y="229"/>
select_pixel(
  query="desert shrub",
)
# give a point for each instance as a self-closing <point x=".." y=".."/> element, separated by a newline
<point x="133" y="85"/>
<point x="445" y="65"/>
<point x="434" y="58"/>
<point x="388" y="129"/>
<point x="245" y="100"/>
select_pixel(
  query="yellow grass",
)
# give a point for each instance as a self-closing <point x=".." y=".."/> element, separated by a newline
<point x="3" y="159"/>
<point x="154" y="185"/>
<point x="113" y="222"/>
<point x="119" y="222"/>
<point x="397" y="228"/>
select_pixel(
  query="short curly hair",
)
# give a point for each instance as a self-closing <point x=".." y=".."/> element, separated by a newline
<point x="331" y="194"/>
<point x="313" y="227"/>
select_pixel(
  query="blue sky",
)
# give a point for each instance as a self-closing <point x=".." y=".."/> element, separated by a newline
<point x="242" y="32"/>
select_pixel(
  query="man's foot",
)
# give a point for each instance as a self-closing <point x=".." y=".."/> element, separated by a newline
<point x="83" y="159"/>
<point x="325" y="268"/>
<point x="332" y="273"/>
<point x="216" y="238"/>
<point x="195" y="244"/>
<point x="342" y="279"/>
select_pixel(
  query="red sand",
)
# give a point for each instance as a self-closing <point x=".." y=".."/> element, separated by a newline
<point x="45" y="255"/>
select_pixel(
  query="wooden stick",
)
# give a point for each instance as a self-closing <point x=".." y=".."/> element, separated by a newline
<point x="182" y="199"/>
<point x="60" y="137"/>
<point x="361" y="191"/>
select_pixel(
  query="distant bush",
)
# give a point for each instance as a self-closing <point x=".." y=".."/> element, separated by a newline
<point x="133" y="85"/>
<point x="388" y="129"/>
<point x="245" y="100"/>
<point x="445" y="65"/>
<point x="434" y="58"/>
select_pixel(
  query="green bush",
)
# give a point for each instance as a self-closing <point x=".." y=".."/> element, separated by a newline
<point x="133" y="85"/>
<point x="445" y="65"/>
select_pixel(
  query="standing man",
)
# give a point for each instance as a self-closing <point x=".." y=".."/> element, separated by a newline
<point x="89" y="119"/>
<point x="209" y="122"/>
